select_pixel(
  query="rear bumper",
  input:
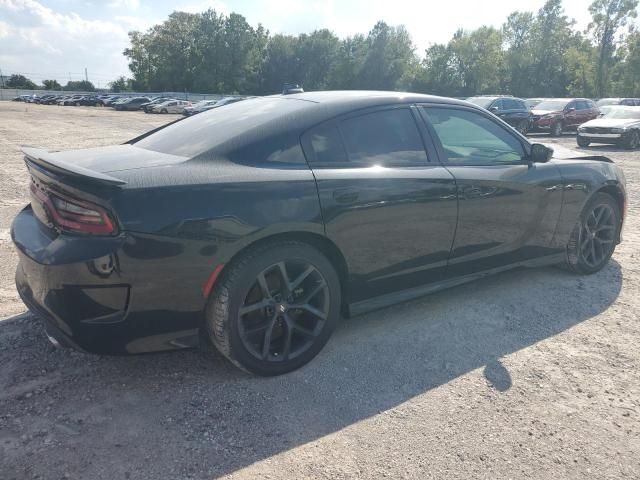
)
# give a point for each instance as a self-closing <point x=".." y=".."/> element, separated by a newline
<point x="95" y="297"/>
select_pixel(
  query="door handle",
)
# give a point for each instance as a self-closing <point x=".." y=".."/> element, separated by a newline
<point x="345" y="195"/>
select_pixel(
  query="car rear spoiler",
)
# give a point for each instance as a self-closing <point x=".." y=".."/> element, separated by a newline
<point x="44" y="159"/>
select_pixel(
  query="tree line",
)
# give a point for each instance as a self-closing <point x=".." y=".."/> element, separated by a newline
<point x="532" y="54"/>
<point x="20" y="81"/>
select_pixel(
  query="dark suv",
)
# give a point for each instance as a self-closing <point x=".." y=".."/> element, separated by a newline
<point x="555" y="115"/>
<point x="512" y="110"/>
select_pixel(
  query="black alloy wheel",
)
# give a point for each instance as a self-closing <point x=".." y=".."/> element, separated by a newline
<point x="523" y="127"/>
<point x="595" y="236"/>
<point x="273" y="309"/>
<point x="284" y="311"/>
<point x="633" y="140"/>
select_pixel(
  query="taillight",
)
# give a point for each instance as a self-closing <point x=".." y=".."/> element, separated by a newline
<point x="73" y="215"/>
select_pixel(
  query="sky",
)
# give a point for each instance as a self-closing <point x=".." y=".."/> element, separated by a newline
<point x="58" y="39"/>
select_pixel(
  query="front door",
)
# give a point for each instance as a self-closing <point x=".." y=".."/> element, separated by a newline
<point x="508" y="207"/>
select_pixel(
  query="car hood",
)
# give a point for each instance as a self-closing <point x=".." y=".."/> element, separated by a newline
<point x="545" y="112"/>
<point x="612" y="122"/>
<point x="115" y="158"/>
<point x="562" y="153"/>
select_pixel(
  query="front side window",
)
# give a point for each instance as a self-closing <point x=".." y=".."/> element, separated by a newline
<point x="387" y="137"/>
<point x="469" y="138"/>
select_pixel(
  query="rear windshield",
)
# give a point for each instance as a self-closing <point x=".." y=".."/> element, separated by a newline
<point x="483" y="102"/>
<point x="552" y="105"/>
<point x="607" y="101"/>
<point x="199" y="134"/>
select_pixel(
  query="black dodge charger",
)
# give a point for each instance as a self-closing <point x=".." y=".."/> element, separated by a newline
<point x="258" y="226"/>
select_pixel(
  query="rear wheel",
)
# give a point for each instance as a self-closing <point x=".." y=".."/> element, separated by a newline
<point x="632" y="141"/>
<point x="583" y="142"/>
<point x="274" y="308"/>
<point x="556" y="129"/>
<point x="595" y="235"/>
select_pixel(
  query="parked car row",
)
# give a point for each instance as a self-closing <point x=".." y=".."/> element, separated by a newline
<point x="610" y="120"/>
<point x="130" y="103"/>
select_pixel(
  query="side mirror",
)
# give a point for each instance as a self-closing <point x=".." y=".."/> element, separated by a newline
<point x="494" y="109"/>
<point x="571" y="109"/>
<point x="540" y="153"/>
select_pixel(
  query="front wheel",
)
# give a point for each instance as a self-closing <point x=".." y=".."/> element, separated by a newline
<point x="523" y="127"/>
<point x="164" y="110"/>
<point x="632" y="141"/>
<point x="595" y="235"/>
<point x="583" y="142"/>
<point x="556" y="129"/>
<point x="273" y="309"/>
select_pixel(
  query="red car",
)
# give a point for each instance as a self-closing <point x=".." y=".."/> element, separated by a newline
<point x="555" y="115"/>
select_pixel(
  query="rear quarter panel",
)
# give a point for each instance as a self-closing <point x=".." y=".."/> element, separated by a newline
<point x="581" y="180"/>
<point x="183" y="221"/>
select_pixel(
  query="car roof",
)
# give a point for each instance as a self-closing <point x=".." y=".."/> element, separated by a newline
<point x="364" y="98"/>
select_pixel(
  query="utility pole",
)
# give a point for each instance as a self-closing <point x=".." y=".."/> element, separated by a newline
<point x="86" y="77"/>
<point x="1" y="78"/>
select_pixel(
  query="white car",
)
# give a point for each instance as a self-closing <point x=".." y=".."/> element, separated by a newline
<point x="171" y="106"/>
<point x="618" y="125"/>
<point x="198" y="107"/>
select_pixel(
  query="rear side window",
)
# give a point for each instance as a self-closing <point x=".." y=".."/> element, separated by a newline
<point x="387" y="137"/>
<point x="323" y="145"/>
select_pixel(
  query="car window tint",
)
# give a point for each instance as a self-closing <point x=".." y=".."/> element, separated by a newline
<point x="388" y="137"/>
<point x="323" y="144"/>
<point x="469" y="138"/>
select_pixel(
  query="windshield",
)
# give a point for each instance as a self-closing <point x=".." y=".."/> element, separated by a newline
<point x="607" y="101"/>
<point x="483" y="102"/>
<point x="199" y="134"/>
<point x="623" y="113"/>
<point x="553" y="105"/>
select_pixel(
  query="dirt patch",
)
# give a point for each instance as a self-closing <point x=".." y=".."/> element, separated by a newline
<point x="529" y="374"/>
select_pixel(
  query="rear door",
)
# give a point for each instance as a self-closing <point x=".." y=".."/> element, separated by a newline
<point x="387" y="203"/>
<point x="508" y="207"/>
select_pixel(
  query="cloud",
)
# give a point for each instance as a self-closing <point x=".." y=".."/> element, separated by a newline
<point x="127" y="4"/>
<point x="203" y="5"/>
<point x="43" y="43"/>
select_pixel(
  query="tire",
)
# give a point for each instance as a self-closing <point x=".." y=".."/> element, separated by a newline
<point x="523" y="127"/>
<point x="248" y="340"/>
<point x="164" y="110"/>
<point x="556" y="129"/>
<point x="598" y="252"/>
<point x="77" y="104"/>
<point x="632" y="141"/>
<point x="583" y="142"/>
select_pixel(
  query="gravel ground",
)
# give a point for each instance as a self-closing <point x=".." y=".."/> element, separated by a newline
<point x="528" y="374"/>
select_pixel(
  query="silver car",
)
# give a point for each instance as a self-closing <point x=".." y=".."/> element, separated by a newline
<point x="618" y="125"/>
<point x="171" y="106"/>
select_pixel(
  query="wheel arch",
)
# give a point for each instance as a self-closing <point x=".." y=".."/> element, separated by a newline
<point x="615" y="191"/>
<point x="320" y="242"/>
